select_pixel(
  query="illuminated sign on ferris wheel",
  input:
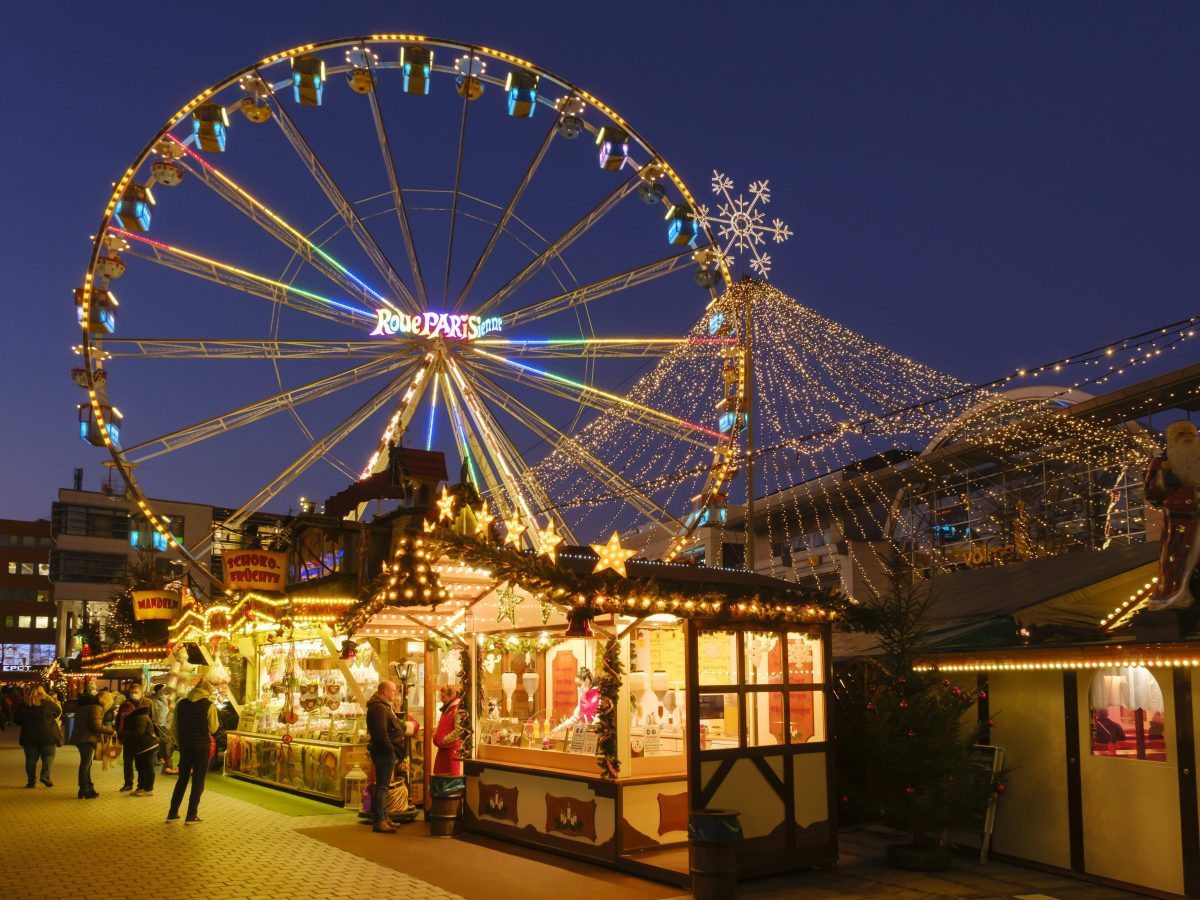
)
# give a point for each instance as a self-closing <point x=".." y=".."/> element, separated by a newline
<point x="431" y="324"/>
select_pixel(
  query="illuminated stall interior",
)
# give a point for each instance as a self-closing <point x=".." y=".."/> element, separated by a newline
<point x="546" y="767"/>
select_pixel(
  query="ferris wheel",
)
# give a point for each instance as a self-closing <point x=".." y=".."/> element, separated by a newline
<point x="425" y="280"/>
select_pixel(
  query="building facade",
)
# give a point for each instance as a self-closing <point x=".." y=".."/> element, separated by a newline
<point x="28" y="618"/>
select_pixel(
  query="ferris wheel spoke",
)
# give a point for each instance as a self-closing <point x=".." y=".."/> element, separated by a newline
<point x="462" y="143"/>
<point x="318" y="449"/>
<point x="567" y="444"/>
<point x="559" y="244"/>
<point x="274" y="224"/>
<point x="597" y="348"/>
<point x="247" y="282"/>
<point x="566" y="388"/>
<point x="389" y="164"/>
<point x="255" y="412"/>
<point x="603" y="288"/>
<point x="401" y="415"/>
<point x="472" y="450"/>
<point x="170" y="348"/>
<point x="344" y="208"/>
<point x="517" y="476"/>
<point x="508" y="211"/>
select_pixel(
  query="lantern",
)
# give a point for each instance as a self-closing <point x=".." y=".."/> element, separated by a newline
<point x="354" y="783"/>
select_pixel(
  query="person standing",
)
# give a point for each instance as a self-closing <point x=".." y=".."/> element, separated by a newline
<point x="89" y="728"/>
<point x="40" y="734"/>
<point x="141" y="743"/>
<point x="448" y="737"/>
<point x="135" y="702"/>
<point x="195" y="725"/>
<point x="161" y="707"/>
<point x="386" y="745"/>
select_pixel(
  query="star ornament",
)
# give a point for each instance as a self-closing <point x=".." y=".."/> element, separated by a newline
<point x="514" y="530"/>
<point x="550" y="539"/>
<point x="428" y="526"/>
<point x="483" y="519"/>
<point x="612" y="556"/>
<point x="445" y="506"/>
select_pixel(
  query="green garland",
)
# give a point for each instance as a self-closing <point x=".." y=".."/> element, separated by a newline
<point x="609" y="687"/>
<point x="606" y="592"/>
<point x="465" y="705"/>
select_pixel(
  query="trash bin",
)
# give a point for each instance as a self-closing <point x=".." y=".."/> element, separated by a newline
<point x="713" y="836"/>
<point x="447" y="793"/>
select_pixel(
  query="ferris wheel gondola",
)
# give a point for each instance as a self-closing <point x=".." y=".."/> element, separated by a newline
<point x="466" y="358"/>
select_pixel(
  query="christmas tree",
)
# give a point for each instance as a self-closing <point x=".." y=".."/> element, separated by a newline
<point x="906" y="737"/>
<point x="123" y="629"/>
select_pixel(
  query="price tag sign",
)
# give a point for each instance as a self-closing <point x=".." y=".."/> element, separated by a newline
<point x="651" y="742"/>
<point x="576" y="738"/>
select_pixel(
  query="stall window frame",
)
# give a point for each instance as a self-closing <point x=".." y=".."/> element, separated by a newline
<point x="741" y="689"/>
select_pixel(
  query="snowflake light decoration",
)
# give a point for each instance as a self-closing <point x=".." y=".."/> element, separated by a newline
<point x="740" y="224"/>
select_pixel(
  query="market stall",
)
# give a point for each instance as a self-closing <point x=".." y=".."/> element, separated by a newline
<point x="602" y="708"/>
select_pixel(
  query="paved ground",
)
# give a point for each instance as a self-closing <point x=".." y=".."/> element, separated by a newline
<point x="55" y="846"/>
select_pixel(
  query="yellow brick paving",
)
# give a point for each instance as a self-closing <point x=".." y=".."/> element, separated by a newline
<point x="56" y="847"/>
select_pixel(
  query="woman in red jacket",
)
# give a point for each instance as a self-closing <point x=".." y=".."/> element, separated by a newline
<point x="448" y="737"/>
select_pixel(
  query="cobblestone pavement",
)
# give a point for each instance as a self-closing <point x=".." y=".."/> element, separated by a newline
<point x="57" y="847"/>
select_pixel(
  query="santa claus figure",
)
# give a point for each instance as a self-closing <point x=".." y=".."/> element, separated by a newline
<point x="1171" y="483"/>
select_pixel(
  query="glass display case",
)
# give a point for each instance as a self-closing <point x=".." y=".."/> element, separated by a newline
<point x="304" y="725"/>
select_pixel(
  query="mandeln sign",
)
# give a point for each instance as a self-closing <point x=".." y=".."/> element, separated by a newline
<point x="156" y="604"/>
<point x="432" y="324"/>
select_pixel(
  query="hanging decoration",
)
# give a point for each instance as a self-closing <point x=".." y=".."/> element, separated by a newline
<point x="561" y="586"/>
<point x="609" y="688"/>
<point x="549" y="539"/>
<point x="546" y="608"/>
<point x="740" y="224"/>
<point x="409" y="581"/>
<point x="612" y="555"/>
<point x="445" y="505"/>
<point x="484" y="519"/>
<point x="513" y="530"/>
<point x="507" y="601"/>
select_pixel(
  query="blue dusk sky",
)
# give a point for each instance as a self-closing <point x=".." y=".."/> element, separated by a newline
<point x="979" y="186"/>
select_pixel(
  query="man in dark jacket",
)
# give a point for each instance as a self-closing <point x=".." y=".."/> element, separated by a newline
<point x="89" y="729"/>
<point x="132" y="720"/>
<point x="195" y="724"/>
<point x="386" y="746"/>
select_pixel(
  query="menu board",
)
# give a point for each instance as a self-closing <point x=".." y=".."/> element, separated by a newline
<point x="562" y="679"/>
<point x="666" y="654"/>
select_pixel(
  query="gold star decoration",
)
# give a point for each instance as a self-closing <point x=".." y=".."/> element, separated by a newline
<point x="514" y="530"/>
<point x="507" y="602"/>
<point x="484" y="518"/>
<point x="550" y="539"/>
<point x="428" y="526"/>
<point x="612" y="556"/>
<point x="446" y="506"/>
<point x="547" y="608"/>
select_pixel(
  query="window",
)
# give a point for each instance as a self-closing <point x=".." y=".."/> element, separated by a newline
<point x="27" y="568"/>
<point x="760" y="688"/>
<point x="1128" y="717"/>
<point x="12" y="568"/>
<point x="41" y="622"/>
<point x="24" y="621"/>
<point x="10" y="621"/>
<point x="90" y="521"/>
<point x="43" y="569"/>
<point x="44" y="596"/>
<point x="87" y="568"/>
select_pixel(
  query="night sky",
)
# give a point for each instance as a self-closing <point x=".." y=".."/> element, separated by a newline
<point x="980" y="188"/>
